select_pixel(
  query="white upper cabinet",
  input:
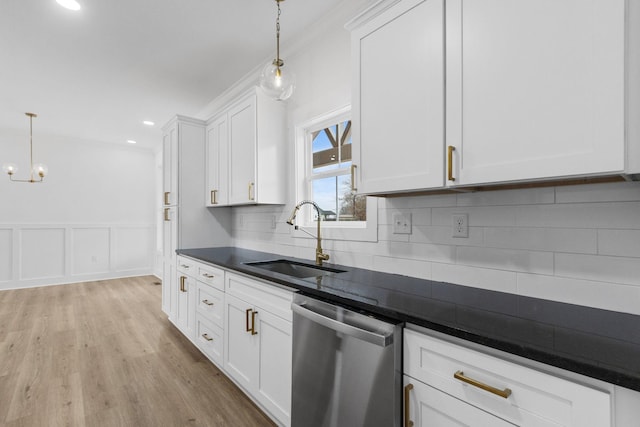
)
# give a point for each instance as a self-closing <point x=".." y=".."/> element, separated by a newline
<point x="217" y="155"/>
<point x="170" y="166"/>
<point x="398" y="98"/>
<point x="246" y="153"/>
<point x="535" y="89"/>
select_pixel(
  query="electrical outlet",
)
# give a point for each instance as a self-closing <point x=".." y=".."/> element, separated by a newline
<point x="241" y="221"/>
<point x="273" y="222"/>
<point x="401" y="223"/>
<point x="460" y="225"/>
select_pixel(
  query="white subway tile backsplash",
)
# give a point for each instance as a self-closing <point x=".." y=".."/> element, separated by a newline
<point x="483" y="216"/>
<point x="608" y="296"/>
<point x="602" y="268"/>
<point x="528" y="196"/>
<point x="406" y="267"/>
<point x="581" y="215"/>
<point x="611" y="192"/>
<point x="542" y="239"/>
<point x="495" y="280"/>
<point x="506" y="259"/>
<point x="619" y="243"/>
<point x="577" y="244"/>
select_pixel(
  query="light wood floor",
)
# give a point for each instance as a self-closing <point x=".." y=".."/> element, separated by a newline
<point x="104" y="354"/>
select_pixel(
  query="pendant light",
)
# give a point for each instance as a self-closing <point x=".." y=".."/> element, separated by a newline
<point x="276" y="82"/>
<point x="38" y="169"/>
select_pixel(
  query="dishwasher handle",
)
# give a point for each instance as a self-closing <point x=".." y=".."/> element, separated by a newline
<point x="381" y="340"/>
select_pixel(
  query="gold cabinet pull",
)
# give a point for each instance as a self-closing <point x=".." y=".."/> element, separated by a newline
<point x="407" y="414"/>
<point x="166" y="214"/>
<point x="207" y="302"/>
<point x="208" y="276"/>
<point x="207" y="337"/>
<point x="253" y="323"/>
<point x="450" y="150"/>
<point x="353" y="178"/>
<point x="246" y="319"/>
<point x="502" y="393"/>
<point x="214" y="197"/>
<point x="251" y="197"/>
<point x="166" y="198"/>
<point x="184" y="266"/>
<point x="182" y="279"/>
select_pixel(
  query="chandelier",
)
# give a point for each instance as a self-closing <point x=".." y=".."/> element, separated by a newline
<point x="39" y="169"/>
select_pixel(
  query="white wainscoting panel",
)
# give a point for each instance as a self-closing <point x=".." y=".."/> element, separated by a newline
<point x="91" y="250"/>
<point x="42" y="253"/>
<point x="6" y="254"/>
<point x="50" y="254"/>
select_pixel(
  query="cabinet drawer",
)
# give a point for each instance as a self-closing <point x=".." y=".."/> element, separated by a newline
<point x="534" y="397"/>
<point x="211" y="276"/>
<point x="209" y="338"/>
<point x="270" y="297"/>
<point x="210" y="303"/>
<point x="187" y="266"/>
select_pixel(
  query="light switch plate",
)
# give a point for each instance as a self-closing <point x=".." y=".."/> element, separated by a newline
<point x="401" y="223"/>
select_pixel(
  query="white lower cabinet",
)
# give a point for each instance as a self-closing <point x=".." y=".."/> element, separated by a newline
<point x="258" y="342"/>
<point x="451" y="383"/>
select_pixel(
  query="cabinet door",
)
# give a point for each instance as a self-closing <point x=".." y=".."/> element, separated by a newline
<point x="169" y="242"/>
<point x="170" y="166"/>
<point x="434" y="408"/>
<point x="535" y="88"/>
<point x="241" y="353"/>
<point x="398" y="98"/>
<point x="242" y="151"/>
<point x="274" y="369"/>
<point x="217" y="168"/>
<point x="185" y="307"/>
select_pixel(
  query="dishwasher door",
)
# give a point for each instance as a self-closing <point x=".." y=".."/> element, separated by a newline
<point x="346" y="367"/>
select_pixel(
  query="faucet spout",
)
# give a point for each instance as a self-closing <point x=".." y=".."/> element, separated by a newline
<point x="320" y="255"/>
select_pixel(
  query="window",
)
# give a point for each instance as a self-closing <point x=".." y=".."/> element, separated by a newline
<point x="323" y="169"/>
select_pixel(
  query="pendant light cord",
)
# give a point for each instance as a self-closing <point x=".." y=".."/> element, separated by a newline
<point x="278" y="33"/>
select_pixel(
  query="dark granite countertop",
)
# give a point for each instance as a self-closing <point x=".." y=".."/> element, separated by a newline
<point x="597" y="343"/>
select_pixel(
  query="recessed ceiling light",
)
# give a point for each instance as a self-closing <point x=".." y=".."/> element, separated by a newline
<point x="69" y="4"/>
<point x="148" y="123"/>
<point x="131" y="141"/>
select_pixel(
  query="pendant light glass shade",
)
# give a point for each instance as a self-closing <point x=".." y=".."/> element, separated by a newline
<point x="276" y="82"/>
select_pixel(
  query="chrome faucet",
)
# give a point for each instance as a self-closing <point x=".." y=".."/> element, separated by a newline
<point x="320" y="256"/>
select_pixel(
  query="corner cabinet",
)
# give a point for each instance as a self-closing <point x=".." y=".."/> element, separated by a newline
<point x="258" y="342"/>
<point x="445" y="381"/>
<point x="183" y="214"/>
<point x="398" y="98"/>
<point x="246" y="152"/>
<point x="535" y="90"/>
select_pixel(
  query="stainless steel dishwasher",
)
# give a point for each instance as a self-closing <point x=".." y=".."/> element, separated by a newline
<point x="347" y="368"/>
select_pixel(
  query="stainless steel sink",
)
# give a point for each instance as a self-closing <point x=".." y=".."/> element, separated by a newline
<point x="294" y="268"/>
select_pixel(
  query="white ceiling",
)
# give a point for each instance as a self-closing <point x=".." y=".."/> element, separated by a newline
<point x="98" y="73"/>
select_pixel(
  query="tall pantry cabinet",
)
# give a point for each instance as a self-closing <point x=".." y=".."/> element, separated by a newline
<point x="187" y="222"/>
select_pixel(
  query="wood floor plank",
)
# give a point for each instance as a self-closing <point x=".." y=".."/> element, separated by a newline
<point x="103" y="353"/>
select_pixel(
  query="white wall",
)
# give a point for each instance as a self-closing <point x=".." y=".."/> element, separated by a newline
<point x="93" y="217"/>
<point x="577" y="244"/>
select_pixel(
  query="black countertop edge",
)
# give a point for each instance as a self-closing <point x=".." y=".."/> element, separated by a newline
<point x="603" y="365"/>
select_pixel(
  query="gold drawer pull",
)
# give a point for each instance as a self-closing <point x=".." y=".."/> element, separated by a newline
<point x="246" y="319"/>
<point x="182" y="279"/>
<point x="208" y="276"/>
<point x="207" y="302"/>
<point x="166" y="198"/>
<point x="214" y="198"/>
<point x="253" y="323"/>
<point x="184" y="266"/>
<point x="207" y="337"/>
<point x="407" y="415"/>
<point x="502" y="393"/>
<point x="166" y="214"/>
<point x="353" y="178"/>
<point x="450" y="150"/>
